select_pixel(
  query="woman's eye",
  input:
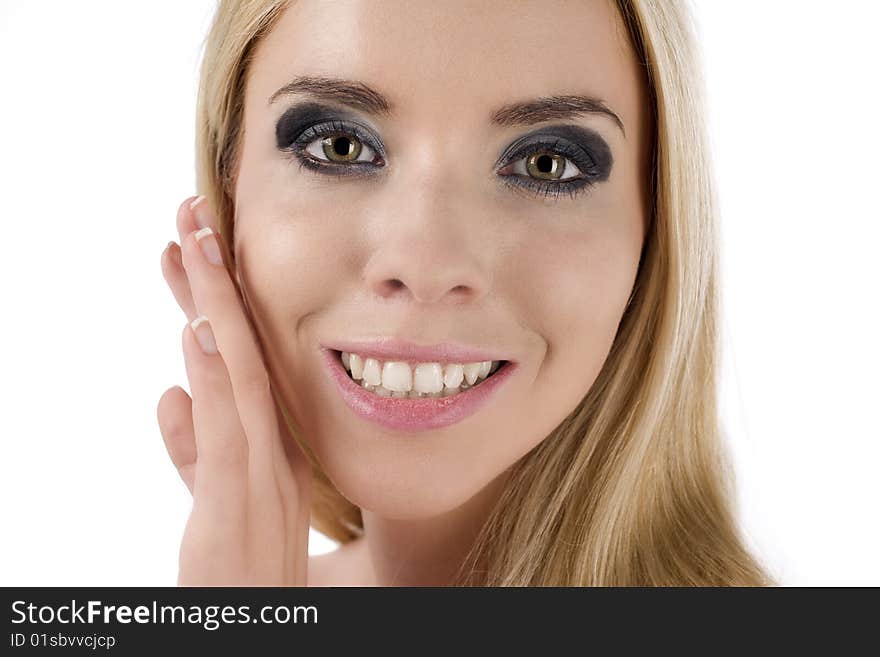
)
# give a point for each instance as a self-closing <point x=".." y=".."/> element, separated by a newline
<point x="544" y="165"/>
<point x="340" y="149"/>
<point x="548" y="169"/>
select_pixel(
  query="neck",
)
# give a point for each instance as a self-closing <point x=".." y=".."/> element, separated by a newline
<point x="427" y="551"/>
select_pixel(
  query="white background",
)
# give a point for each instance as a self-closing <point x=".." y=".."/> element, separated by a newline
<point x="96" y="133"/>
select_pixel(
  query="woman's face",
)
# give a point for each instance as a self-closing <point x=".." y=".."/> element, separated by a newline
<point x="443" y="228"/>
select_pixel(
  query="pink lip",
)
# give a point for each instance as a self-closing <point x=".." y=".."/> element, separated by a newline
<point x="420" y="414"/>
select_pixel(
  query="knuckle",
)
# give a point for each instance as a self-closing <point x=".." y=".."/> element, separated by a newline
<point x="216" y="374"/>
<point x="227" y="452"/>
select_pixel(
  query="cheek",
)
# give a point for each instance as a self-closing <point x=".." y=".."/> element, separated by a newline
<point x="289" y="258"/>
<point x="578" y="283"/>
<point x="286" y="265"/>
<point x="290" y="271"/>
<point x="279" y="269"/>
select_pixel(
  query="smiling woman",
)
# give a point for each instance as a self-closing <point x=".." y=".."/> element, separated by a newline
<point x="480" y="266"/>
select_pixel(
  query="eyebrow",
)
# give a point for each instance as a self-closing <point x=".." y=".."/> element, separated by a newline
<point x="360" y="96"/>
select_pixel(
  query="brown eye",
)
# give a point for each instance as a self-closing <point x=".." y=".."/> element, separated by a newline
<point x="545" y="165"/>
<point x="341" y="148"/>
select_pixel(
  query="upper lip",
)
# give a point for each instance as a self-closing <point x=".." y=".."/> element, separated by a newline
<point x="390" y="348"/>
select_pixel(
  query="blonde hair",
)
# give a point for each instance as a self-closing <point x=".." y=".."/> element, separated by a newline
<point x="634" y="487"/>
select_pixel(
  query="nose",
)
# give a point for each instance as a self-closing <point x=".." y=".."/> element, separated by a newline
<point x="430" y="245"/>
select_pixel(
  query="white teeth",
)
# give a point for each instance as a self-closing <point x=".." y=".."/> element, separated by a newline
<point x="428" y="378"/>
<point x="397" y="376"/>
<point x="372" y="373"/>
<point x="471" y="372"/>
<point x="400" y="379"/>
<point x="357" y="366"/>
<point x="454" y="375"/>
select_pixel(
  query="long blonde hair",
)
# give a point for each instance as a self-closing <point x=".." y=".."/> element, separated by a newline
<point x="634" y="487"/>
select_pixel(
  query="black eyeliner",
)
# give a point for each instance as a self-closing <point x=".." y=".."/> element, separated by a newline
<point x="304" y="122"/>
<point x="586" y="141"/>
<point x="296" y="119"/>
<point x="300" y="117"/>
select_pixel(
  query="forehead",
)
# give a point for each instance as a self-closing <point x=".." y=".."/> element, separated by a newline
<point x="454" y="57"/>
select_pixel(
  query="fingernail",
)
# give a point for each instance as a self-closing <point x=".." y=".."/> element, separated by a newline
<point x="202" y="328"/>
<point x="208" y="243"/>
<point x="196" y="201"/>
<point x="174" y="254"/>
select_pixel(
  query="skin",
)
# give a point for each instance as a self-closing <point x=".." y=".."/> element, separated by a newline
<point x="315" y="258"/>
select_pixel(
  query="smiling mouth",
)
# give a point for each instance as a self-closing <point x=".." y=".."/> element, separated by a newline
<point x="411" y="380"/>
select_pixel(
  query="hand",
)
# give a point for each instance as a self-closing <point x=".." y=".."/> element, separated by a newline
<point x="250" y="482"/>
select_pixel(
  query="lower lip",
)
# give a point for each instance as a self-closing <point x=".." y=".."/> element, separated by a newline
<point x="422" y="414"/>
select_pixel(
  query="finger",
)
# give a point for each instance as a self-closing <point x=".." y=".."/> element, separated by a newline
<point x="188" y="220"/>
<point x="174" y="413"/>
<point x="216" y="297"/>
<point x="175" y="276"/>
<point x="220" y="486"/>
<point x="194" y="214"/>
<point x="250" y="381"/>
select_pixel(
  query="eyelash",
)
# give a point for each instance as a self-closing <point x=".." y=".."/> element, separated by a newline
<point x="574" y="154"/>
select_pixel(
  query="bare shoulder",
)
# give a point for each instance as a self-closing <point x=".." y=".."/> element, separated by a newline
<point x="347" y="565"/>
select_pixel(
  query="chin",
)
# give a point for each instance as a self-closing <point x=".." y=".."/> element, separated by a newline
<point x="421" y="491"/>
